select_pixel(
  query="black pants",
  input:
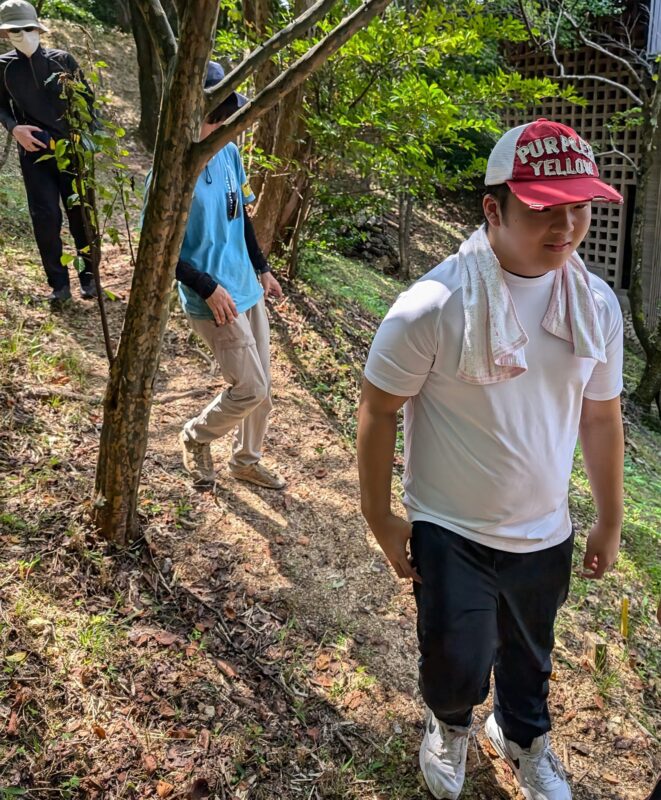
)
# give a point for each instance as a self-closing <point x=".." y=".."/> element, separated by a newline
<point x="480" y="608"/>
<point x="45" y="186"/>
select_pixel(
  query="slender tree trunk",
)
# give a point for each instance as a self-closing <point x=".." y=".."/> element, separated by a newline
<point x="5" y="150"/>
<point x="128" y="398"/>
<point x="282" y="134"/>
<point x="649" y="386"/>
<point x="303" y="211"/>
<point x="404" y="231"/>
<point x="150" y="77"/>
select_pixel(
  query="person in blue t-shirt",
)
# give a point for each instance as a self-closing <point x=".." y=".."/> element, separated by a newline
<point x="223" y="298"/>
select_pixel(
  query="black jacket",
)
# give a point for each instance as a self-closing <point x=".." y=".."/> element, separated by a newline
<point x="27" y="97"/>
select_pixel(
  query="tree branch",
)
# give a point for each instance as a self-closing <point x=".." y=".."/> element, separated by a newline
<point x="563" y="76"/>
<point x="605" y="51"/>
<point x="263" y="53"/>
<point x="528" y="24"/>
<point x="159" y="28"/>
<point x="287" y="81"/>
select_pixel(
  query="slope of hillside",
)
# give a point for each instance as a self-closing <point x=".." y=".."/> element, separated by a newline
<point x="252" y="644"/>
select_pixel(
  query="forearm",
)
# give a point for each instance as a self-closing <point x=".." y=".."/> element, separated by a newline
<point x="195" y="279"/>
<point x="377" y="434"/>
<point x="603" y="454"/>
<point x="257" y="258"/>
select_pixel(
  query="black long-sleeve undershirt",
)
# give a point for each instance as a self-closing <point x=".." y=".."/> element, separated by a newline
<point x="202" y="283"/>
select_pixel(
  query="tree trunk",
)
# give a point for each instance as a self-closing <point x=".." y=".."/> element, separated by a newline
<point x="276" y="187"/>
<point x="150" y="77"/>
<point x="304" y="208"/>
<point x="650" y="340"/>
<point x="649" y="386"/>
<point x="281" y="133"/>
<point x="257" y="16"/>
<point x="128" y="398"/>
<point x="404" y="231"/>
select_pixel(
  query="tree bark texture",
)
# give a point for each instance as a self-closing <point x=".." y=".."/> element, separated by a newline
<point x="258" y="16"/>
<point x="649" y="385"/>
<point x="129" y="394"/>
<point x="150" y="77"/>
<point x="281" y="133"/>
<point x="404" y="233"/>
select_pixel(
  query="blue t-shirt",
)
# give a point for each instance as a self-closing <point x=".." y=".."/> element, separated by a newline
<point x="214" y="241"/>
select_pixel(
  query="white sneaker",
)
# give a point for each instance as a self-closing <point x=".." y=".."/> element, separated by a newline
<point x="443" y="758"/>
<point x="538" y="769"/>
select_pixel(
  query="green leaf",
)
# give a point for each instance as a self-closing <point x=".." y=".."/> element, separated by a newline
<point x="110" y="295"/>
<point x="17" y="658"/>
<point x="66" y="258"/>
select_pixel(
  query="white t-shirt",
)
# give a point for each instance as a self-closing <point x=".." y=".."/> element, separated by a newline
<point x="491" y="463"/>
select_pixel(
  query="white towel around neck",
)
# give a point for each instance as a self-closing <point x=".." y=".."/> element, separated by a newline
<point x="494" y="339"/>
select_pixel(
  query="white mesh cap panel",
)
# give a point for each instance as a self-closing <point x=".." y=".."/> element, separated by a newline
<point x="501" y="160"/>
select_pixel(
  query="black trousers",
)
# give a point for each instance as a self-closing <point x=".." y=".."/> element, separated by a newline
<point x="45" y="185"/>
<point x="478" y="609"/>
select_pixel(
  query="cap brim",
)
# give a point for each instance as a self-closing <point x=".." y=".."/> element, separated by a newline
<point x="543" y="194"/>
<point x="11" y="26"/>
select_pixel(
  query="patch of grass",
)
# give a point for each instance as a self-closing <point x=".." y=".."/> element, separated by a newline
<point x="345" y="279"/>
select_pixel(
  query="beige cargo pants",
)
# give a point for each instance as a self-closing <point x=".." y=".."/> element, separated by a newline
<point x="242" y="352"/>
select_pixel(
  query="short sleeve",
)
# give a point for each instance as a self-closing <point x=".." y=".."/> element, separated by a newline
<point x="406" y="343"/>
<point x="246" y="192"/>
<point x="606" y="380"/>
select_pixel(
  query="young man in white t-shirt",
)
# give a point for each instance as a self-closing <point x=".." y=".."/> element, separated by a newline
<point x="501" y="356"/>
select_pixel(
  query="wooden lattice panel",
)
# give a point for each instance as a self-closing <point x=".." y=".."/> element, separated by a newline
<point x="603" y="250"/>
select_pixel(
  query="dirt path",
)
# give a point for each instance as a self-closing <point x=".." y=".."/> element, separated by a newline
<point x="263" y="641"/>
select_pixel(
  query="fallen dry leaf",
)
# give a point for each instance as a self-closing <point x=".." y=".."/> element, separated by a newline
<point x="12" y="725"/>
<point x="99" y="731"/>
<point x="304" y="540"/>
<point x="581" y="748"/>
<point x="322" y="661"/>
<point x="608" y="776"/>
<point x="149" y="763"/>
<point x="226" y="668"/>
<point x="164" y="789"/>
<point x="181" y="732"/>
<point x="165" y="638"/>
<point x="313" y="733"/>
<point x="165" y="709"/>
<point x="204" y="738"/>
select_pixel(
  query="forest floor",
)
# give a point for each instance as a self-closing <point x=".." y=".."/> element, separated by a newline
<point x="255" y="644"/>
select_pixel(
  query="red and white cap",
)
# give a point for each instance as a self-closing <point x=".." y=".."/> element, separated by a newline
<point x="546" y="164"/>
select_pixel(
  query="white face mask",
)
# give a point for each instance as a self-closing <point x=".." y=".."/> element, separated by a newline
<point x="25" y="41"/>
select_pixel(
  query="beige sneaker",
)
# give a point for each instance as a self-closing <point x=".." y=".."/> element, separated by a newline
<point x="197" y="460"/>
<point x="259" y="475"/>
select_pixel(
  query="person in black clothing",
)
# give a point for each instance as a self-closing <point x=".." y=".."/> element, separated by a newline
<point x="33" y="111"/>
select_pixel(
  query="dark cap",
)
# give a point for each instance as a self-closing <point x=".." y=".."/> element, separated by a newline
<point x="215" y="74"/>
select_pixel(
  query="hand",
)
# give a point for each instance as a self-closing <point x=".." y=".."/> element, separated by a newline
<point x="601" y="550"/>
<point x="270" y="285"/>
<point x="393" y="534"/>
<point x="23" y="135"/>
<point x="222" y="306"/>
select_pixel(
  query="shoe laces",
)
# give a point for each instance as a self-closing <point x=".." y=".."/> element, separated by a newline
<point x="452" y="746"/>
<point x="548" y="768"/>
<point x="202" y="454"/>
